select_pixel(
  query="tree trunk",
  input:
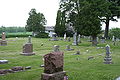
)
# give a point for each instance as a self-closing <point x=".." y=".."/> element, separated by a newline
<point x="107" y="28"/>
<point x="94" y="41"/>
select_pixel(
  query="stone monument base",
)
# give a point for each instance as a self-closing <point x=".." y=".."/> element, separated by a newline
<point x="108" y="60"/>
<point x="54" y="76"/>
<point x="3" y="43"/>
<point x="28" y="54"/>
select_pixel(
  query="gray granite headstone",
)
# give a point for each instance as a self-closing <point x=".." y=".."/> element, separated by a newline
<point x="56" y="48"/>
<point x="3" y="61"/>
<point x="75" y="39"/>
<point x="29" y="39"/>
<point x="79" y="40"/>
<point x="65" y="37"/>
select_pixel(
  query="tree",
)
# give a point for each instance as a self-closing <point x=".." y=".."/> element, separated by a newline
<point x="35" y="22"/>
<point x="60" y="23"/>
<point x="114" y="10"/>
<point x="115" y="32"/>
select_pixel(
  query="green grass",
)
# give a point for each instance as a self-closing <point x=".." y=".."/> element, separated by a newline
<point x="78" y="67"/>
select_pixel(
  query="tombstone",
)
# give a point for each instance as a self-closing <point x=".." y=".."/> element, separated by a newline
<point x="75" y="39"/>
<point x="68" y="39"/>
<point x="103" y="40"/>
<point x="97" y="40"/>
<point x="53" y="66"/>
<point x="28" y="48"/>
<point x="113" y="39"/>
<point x="79" y="41"/>
<point x="108" y="59"/>
<point x="68" y="48"/>
<point x="3" y="61"/>
<point x="54" y="37"/>
<point x="3" y="42"/>
<point x="65" y="37"/>
<point x="56" y="48"/>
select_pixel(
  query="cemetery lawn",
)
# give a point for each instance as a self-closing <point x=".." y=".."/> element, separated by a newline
<point x="78" y="67"/>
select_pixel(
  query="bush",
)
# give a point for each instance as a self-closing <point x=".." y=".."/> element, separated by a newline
<point x="114" y="32"/>
<point x="42" y="35"/>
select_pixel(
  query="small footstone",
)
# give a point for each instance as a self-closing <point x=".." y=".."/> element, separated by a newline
<point x="3" y="61"/>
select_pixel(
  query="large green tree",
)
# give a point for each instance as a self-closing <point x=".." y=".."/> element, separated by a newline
<point x="114" y="11"/>
<point x="35" y="22"/>
<point x="60" y="27"/>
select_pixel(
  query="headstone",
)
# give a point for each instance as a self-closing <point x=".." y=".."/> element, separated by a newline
<point x="68" y="48"/>
<point x="56" y="48"/>
<point x="97" y="40"/>
<point x="108" y="59"/>
<point x="79" y="40"/>
<point x="68" y="39"/>
<point x="53" y="69"/>
<point x="28" y="48"/>
<point x="65" y="37"/>
<point x="3" y="61"/>
<point x="3" y="42"/>
<point x="113" y="38"/>
<point x="75" y="39"/>
<point x="54" y="37"/>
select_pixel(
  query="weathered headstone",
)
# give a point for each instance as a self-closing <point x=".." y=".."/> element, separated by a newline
<point x="65" y="37"/>
<point x="108" y="59"/>
<point x="68" y="48"/>
<point x="113" y="38"/>
<point x="68" y="39"/>
<point x="3" y="61"/>
<point x="54" y="37"/>
<point x="79" y="40"/>
<point x="28" y="48"/>
<point x="53" y="69"/>
<point x="75" y="39"/>
<point x="103" y="39"/>
<point x="56" y="48"/>
<point x="3" y="42"/>
<point x="97" y="40"/>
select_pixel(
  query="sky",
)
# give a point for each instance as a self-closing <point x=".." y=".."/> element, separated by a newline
<point x="15" y="12"/>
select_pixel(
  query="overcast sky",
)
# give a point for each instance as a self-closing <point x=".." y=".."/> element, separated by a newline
<point x="15" y="12"/>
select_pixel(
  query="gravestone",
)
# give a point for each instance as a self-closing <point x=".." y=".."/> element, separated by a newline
<point x="28" y="48"/>
<point x="65" y="37"/>
<point x="68" y="48"/>
<point x="56" y="48"/>
<point x="54" y="37"/>
<point x="3" y="42"/>
<point x="53" y="66"/>
<point x="75" y="39"/>
<point x="113" y="40"/>
<point x="108" y="59"/>
<point x="79" y="40"/>
<point x="97" y="40"/>
<point x="103" y="39"/>
<point x="68" y="39"/>
<point x="3" y="61"/>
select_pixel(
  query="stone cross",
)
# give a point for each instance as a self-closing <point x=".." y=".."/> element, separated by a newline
<point x="56" y="48"/>
<point x="29" y="39"/>
<point x="3" y="35"/>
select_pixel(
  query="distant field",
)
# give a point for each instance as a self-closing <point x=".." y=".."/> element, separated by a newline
<point x="78" y="67"/>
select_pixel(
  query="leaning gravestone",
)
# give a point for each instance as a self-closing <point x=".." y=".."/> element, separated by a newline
<point x="54" y="37"/>
<point x="53" y="66"/>
<point x="108" y="59"/>
<point x="75" y="39"/>
<point x="3" y="42"/>
<point x="28" y="48"/>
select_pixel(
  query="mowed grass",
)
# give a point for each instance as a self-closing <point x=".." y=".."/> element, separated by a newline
<point x="78" y="67"/>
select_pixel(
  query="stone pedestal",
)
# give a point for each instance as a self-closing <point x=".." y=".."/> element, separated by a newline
<point x="3" y="43"/>
<point x="28" y="49"/>
<point x="108" y="60"/>
<point x="54" y="76"/>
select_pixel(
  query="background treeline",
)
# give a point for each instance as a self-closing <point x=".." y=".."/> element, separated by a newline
<point x="12" y="29"/>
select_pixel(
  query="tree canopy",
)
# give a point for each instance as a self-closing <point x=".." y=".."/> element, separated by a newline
<point x="35" y="22"/>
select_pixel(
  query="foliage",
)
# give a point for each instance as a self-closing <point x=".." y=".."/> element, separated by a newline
<point x="115" y="32"/>
<point x="12" y="29"/>
<point x="60" y="23"/>
<point x="35" y="22"/>
<point x="42" y="35"/>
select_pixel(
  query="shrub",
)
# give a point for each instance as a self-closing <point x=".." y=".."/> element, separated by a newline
<point x="42" y="35"/>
